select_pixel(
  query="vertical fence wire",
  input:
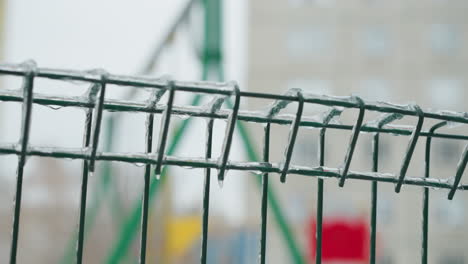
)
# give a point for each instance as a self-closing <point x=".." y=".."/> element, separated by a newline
<point x="215" y="105"/>
<point x="353" y="140"/>
<point x="460" y="169"/>
<point x="410" y="149"/>
<point x="145" y="207"/>
<point x="292" y="137"/>
<point x="425" y="211"/>
<point x="90" y="167"/>
<point x="264" y="209"/>
<point x="28" y="84"/>
<point x="94" y="117"/>
<point x="155" y="97"/>
<point x="320" y="185"/>
<point x="374" y="196"/>
<point x="84" y="178"/>
<point x="318" y="228"/>
<point x="384" y="120"/>
<point x="206" y="191"/>
<point x="84" y="191"/>
<point x="231" y="124"/>
<point x="165" y="121"/>
<point x="99" y="108"/>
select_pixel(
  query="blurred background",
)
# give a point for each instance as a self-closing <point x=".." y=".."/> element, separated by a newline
<point x="401" y="51"/>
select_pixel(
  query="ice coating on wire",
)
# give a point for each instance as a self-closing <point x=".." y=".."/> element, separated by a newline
<point x="231" y="123"/>
<point x="353" y="140"/>
<point x="156" y="96"/>
<point x="92" y="95"/>
<point x="278" y="105"/>
<point x="292" y="136"/>
<point x="99" y="108"/>
<point x="215" y="104"/>
<point x="100" y="103"/>
<point x="165" y="121"/>
<point x="152" y="102"/>
<point x="384" y="119"/>
<point x="145" y="158"/>
<point x="410" y="148"/>
<point x="460" y="170"/>
<point x="222" y="89"/>
<point x="30" y="68"/>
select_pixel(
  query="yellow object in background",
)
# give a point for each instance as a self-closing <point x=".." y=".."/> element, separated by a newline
<point x="182" y="234"/>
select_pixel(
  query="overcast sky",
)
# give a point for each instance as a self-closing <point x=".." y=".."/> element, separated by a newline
<point x="109" y="34"/>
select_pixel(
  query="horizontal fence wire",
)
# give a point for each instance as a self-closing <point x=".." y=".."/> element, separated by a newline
<point x="226" y="90"/>
<point x="262" y="167"/>
<point x="95" y="103"/>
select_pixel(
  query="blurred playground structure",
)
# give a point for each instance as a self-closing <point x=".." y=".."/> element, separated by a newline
<point x="127" y="215"/>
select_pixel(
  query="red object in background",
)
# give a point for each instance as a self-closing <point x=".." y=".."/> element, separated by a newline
<point x="342" y="239"/>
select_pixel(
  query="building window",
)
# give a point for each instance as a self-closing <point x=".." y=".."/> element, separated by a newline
<point x="375" y="41"/>
<point x="386" y="259"/>
<point x="385" y="148"/>
<point x="311" y="86"/>
<point x="375" y="89"/>
<point x="449" y="213"/>
<point x="444" y="39"/>
<point x="452" y="259"/>
<point x="321" y="3"/>
<point x="305" y="151"/>
<point x="385" y="211"/>
<point x="372" y="2"/>
<point x="447" y="152"/>
<point x="298" y="3"/>
<point x="446" y="93"/>
<point x="308" y="42"/>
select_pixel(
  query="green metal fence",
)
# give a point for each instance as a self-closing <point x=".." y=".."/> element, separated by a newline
<point x="95" y="104"/>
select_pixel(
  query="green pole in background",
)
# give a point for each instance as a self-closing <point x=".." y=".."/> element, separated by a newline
<point x="212" y="58"/>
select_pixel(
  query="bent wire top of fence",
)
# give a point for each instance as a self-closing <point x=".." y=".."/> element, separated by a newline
<point x="394" y="112"/>
<point x="95" y="102"/>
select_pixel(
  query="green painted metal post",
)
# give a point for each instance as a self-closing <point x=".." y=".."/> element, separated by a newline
<point x="212" y="69"/>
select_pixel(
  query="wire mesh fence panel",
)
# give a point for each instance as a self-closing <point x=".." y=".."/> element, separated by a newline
<point x="162" y="106"/>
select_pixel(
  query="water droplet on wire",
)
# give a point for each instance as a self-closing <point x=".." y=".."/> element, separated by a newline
<point x="451" y="124"/>
<point x="54" y="107"/>
<point x="220" y="183"/>
<point x="183" y="117"/>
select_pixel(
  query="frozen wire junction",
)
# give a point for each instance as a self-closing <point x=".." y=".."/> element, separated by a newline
<point x="95" y="103"/>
